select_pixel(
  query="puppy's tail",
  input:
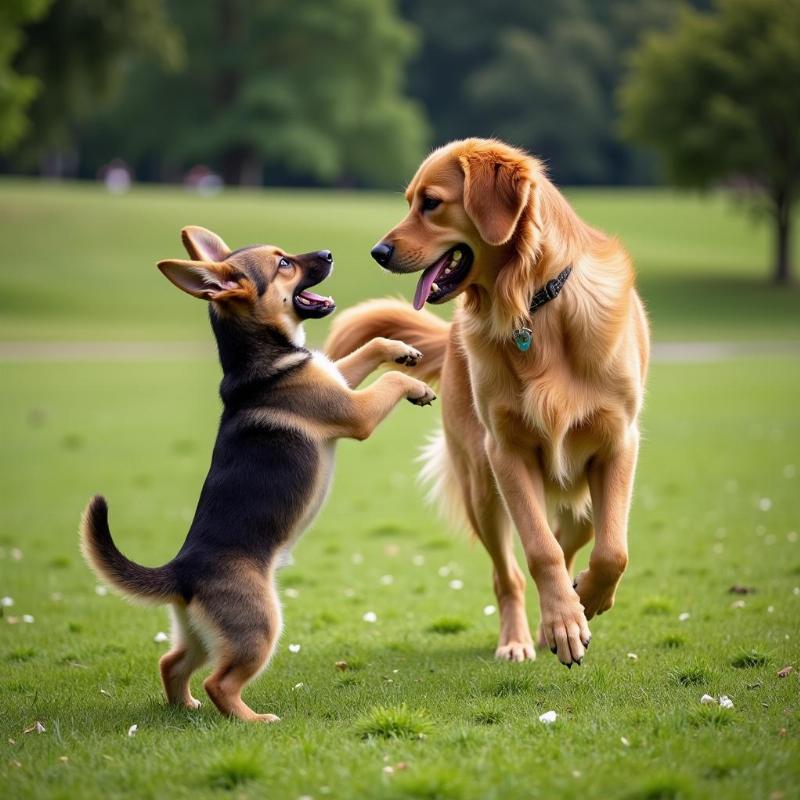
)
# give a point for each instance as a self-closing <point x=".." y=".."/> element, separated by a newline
<point x="145" y="584"/>
<point x="392" y="319"/>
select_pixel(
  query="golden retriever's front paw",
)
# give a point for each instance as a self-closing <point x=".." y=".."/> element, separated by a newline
<point x="565" y="630"/>
<point x="596" y="592"/>
<point x="515" y="651"/>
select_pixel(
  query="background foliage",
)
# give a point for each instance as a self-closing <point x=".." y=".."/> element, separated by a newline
<point x="330" y="92"/>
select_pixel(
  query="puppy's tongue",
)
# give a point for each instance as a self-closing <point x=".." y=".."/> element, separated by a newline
<point x="427" y="280"/>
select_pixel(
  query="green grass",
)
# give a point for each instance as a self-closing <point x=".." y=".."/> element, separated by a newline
<point x="80" y="264"/>
<point x="717" y="442"/>
<point x="720" y="440"/>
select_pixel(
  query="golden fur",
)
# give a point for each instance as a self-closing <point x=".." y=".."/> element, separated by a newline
<point x="547" y="438"/>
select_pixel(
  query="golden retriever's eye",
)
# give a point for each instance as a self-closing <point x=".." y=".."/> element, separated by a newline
<point x="284" y="263"/>
<point x="429" y="203"/>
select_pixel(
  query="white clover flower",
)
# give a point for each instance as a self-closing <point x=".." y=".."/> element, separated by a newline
<point x="548" y="718"/>
<point x="370" y="616"/>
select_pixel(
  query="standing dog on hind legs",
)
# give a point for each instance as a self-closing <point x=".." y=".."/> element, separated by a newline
<point x="542" y="377"/>
<point x="284" y="407"/>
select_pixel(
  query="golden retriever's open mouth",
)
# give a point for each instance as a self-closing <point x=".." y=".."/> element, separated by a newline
<point x="442" y="277"/>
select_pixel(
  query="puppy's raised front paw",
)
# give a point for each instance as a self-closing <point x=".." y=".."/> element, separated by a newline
<point x="402" y="353"/>
<point x="424" y="399"/>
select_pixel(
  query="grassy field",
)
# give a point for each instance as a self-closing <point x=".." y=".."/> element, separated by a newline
<point x="79" y="264"/>
<point x="422" y="710"/>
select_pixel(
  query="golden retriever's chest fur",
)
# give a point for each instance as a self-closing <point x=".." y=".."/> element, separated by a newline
<point x="538" y="401"/>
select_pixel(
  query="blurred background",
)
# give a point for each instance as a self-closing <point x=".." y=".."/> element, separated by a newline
<point x="142" y="116"/>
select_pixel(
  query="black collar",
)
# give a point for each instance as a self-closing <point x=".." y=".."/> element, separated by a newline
<point x="551" y="290"/>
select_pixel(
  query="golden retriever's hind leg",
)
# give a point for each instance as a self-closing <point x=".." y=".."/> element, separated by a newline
<point x="187" y="654"/>
<point x="248" y="621"/>
<point x="572" y="535"/>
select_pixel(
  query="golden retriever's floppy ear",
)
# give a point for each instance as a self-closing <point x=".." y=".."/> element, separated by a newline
<point x="205" y="280"/>
<point x="204" y="245"/>
<point x="496" y="190"/>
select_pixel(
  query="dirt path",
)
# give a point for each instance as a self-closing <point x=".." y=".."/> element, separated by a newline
<point x="675" y="352"/>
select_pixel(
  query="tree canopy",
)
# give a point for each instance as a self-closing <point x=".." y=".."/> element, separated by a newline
<point x="17" y="89"/>
<point x="719" y="99"/>
<point x="271" y="90"/>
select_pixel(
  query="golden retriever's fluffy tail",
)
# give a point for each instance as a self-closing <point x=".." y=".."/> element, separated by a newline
<point x="392" y="319"/>
<point x="444" y="490"/>
<point x="144" y="584"/>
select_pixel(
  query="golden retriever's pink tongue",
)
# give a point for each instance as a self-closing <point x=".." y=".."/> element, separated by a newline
<point x="427" y="280"/>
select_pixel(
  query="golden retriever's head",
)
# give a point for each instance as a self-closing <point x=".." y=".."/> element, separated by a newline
<point x="260" y="284"/>
<point x="466" y="205"/>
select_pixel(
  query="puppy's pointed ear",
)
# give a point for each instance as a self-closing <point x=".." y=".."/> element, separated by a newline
<point x="204" y="245"/>
<point x="205" y="280"/>
<point x="496" y="190"/>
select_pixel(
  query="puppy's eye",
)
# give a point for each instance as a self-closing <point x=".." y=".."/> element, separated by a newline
<point x="284" y="263"/>
<point x="429" y="203"/>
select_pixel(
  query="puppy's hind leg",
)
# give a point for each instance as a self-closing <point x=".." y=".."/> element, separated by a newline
<point x="187" y="654"/>
<point x="247" y="619"/>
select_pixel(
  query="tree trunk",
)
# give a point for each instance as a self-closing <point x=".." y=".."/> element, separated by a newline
<point x="783" y="240"/>
<point x="228" y="85"/>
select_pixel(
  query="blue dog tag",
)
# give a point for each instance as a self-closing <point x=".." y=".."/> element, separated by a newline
<point x="523" y="338"/>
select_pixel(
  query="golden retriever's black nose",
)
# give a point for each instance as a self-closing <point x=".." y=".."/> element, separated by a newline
<point x="326" y="255"/>
<point x="382" y="252"/>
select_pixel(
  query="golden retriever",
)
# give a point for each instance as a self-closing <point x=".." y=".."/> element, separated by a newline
<point x="540" y="408"/>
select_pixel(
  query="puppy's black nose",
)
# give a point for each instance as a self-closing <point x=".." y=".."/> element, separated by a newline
<point x="325" y="255"/>
<point x="382" y="252"/>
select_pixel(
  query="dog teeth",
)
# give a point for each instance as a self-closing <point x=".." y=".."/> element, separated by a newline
<point x="448" y="270"/>
<point x="434" y="288"/>
<point x="456" y="256"/>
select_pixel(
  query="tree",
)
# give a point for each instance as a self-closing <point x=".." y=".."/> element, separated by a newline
<point x="78" y="53"/>
<point x="16" y="90"/>
<point x="309" y="92"/>
<point x="542" y="75"/>
<point x="719" y="99"/>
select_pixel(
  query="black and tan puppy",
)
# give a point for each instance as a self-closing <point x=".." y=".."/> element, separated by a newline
<point x="284" y="408"/>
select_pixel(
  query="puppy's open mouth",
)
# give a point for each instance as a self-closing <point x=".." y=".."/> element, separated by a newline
<point x="442" y="277"/>
<point x="310" y="305"/>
